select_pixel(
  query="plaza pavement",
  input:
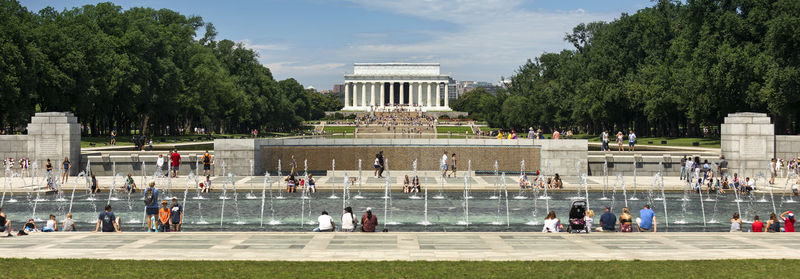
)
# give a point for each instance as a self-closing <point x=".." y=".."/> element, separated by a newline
<point x="340" y="246"/>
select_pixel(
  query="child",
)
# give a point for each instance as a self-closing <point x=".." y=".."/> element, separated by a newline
<point x="163" y="217"/>
<point x="589" y="219"/>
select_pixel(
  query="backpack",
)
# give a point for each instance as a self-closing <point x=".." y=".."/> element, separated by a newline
<point x="149" y="197"/>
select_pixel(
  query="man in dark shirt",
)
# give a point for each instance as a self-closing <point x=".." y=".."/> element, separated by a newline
<point x="608" y="220"/>
<point x="723" y="166"/>
<point x="107" y="220"/>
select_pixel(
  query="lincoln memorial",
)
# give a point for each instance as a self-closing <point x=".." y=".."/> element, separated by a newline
<point x="392" y="86"/>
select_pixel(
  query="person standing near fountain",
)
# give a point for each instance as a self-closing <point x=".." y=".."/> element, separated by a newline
<point x="604" y="143"/>
<point x="631" y="141"/>
<point x="293" y="165"/>
<point x="723" y="166"/>
<point x="348" y="220"/>
<point x="67" y="166"/>
<point x="619" y="141"/>
<point x="608" y="220"/>
<point x="773" y="170"/>
<point x="164" y="215"/>
<point x="312" y="183"/>
<point x="788" y="221"/>
<point x="369" y="221"/>
<point x="683" y="167"/>
<point x="48" y="167"/>
<point x="206" y="163"/>
<point x="648" y="219"/>
<point x="176" y="215"/>
<point x="107" y="220"/>
<point x="151" y="207"/>
<point x="175" y="161"/>
<point x="95" y="189"/>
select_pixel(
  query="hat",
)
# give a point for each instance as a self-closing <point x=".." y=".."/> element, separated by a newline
<point x="164" y="202"/>
<point x="791" y="215"/>
<point x="369" y="208"/>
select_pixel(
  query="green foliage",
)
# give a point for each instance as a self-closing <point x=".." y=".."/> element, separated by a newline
<point x="140" y="69"/>
<point x="667" y="70"/>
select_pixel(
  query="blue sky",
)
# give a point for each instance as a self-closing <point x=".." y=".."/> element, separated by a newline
<point x="317" y="41"/>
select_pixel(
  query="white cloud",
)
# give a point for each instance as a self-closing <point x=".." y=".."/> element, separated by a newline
<point x="263" y="47"/>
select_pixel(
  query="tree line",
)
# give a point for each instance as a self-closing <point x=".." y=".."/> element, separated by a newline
<point x="672" y="69"/>
<point x="140" y="69"/>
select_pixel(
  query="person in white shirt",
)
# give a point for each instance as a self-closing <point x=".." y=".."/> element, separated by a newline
<point x="348" y="220"/>
<point x="326" y="223"/>
<point x="160" y="163"/>
<point x="551" y="223"/>
<point x="443" y="164"/>
<point x="51" y="224"/>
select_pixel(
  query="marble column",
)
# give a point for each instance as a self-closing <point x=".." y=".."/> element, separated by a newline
<point x="446" y="95"/>
<point x="391" y="94"/>
<point x="402" y="93"/>
<point x="428" y="94"/>
<point x="364" y="94"/>
<point x="419" y="93"/>
<point x="383" y="94"/>
<point x="372" y="94"/>
<point x="438" y="95"/>
<point x="346" y="95"/>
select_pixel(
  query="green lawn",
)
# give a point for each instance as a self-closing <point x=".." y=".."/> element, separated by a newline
<point x="704" y="142"/>
<point x="340" y="129"/>
<point x="91" y="268"/>
<point x="454" y="129"/>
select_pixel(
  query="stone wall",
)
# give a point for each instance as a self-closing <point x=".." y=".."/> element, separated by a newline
<point x="51" y="135"/>
<point x="787" y="147"/>
<point x="647" y="164"/>
<point x="104" y="164"/>
<point x="560" y="154"/>
<point x="747" y="139"/>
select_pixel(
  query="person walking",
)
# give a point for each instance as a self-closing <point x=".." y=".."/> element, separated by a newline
<point x="683" y="167"/>
<point x="631" y="141"/>
<point x="376" y="165"/>
<point x="382" y="163"/>
<point x="160" y="164"/>
<point x="453" y="165"/>
<point x="443" y="164"/>
<point x="604" y="141"/>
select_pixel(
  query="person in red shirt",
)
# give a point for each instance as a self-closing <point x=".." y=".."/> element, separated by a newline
<point x="758" y="226"/>
<point x="175" y="159"/>
<point x="369" y="221"/>
<point x="788" y="221"/>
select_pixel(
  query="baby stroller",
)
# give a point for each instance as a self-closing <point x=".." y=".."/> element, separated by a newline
<point x="576" y="214"/>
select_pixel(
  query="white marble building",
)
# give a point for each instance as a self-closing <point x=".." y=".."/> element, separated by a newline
<point x="389" y="86"/>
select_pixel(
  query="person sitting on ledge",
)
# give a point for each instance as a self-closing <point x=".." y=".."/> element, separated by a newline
<point x="326" y="223"/>
<point x="524" y="182"/>
<point x="557" y="183"/>
<point x="406" y="185"/>
<point x="415" y="186"/>
<point x="369" y="221"/>
<point x="291" y="184"/>
<point x="130" y="185"/>
<point x="312" y="183"/>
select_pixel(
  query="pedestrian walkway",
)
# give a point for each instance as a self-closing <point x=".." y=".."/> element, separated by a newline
<point x="402" y="246"/>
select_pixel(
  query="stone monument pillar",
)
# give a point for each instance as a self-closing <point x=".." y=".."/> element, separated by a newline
<point x="55" y="135"/>
<point x="748" y="138"/>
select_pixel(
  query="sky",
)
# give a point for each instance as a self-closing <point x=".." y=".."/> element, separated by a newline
<point x="316" y="42"/>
